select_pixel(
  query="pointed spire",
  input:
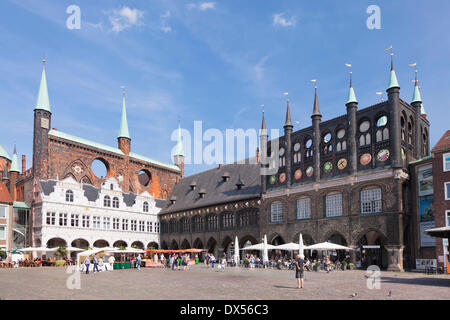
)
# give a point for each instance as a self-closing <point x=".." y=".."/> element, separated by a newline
<point x="288" y="122"/>
<point x="43" y="102"/>
<point x="422" y="110"/>
<point x="416" y="95"/>
<point x="14" y="162"/>
<point x="351" y="93"/>
<point x="263" y="125"/>
<point x="316" y="110"/>
<point x="179" y="150"/>
<point x="123" y="132"/>
<point x="393" y="83"/>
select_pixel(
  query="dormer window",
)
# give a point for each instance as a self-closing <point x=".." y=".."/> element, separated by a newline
<point x="69" y="196"/>
<point x="240" y="184"/>
<point x="193" y="185"/>
<point x="145" y="209"/>
<point x="225" y="176"/>
<point x="202" y="193"/>
<point x="173" y="199"/>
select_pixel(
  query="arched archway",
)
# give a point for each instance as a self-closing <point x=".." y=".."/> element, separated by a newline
<point x="120" y="243"/>
<point x="185" y="244"/>
<point x="138" y="244"/>
<point x="211" y="245"/>
<point x="56" y="243"/>
<point x="338" y="238"/>
<point x="80" y="243"/>
<point x="277" y="240"/>
<point x="307" y="239"/>
<point x="372" y="249"/>
<point x="164" y="245"/>
<point x="198" y="244"/>
<point x="174" y="245"/>
<point x="228" y="246"/>
<point x="247" y="241"/>
<point x="101" y="244"/>
<point x="153" y="245"/>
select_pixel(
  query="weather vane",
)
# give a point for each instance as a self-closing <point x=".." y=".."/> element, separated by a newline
<point x="123" y="90"/>
<point x="315" y="83"/>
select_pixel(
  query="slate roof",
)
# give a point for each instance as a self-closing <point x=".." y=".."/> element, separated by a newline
<point x="217" y="191"/>
<point x="443" y="143"/>
<point x="48" y="186"/>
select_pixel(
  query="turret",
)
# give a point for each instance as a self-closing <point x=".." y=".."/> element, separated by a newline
<point x="288" y="153"/>
<point x="42" y="125"/>
<point x="263" y="137"/>
<point x="393" y="92"/>
<point x="14" y="174"/>
<point x="417" y="104"/>
<point x="316" y="120"/>
<point x="352" y="106"/>
<point x="123" y="138"/>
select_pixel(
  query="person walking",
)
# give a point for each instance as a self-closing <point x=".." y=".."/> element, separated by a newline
<point x="299" y="272"/>
<point x="174" y="261"/>
<point x="213" y="260"/>
<point x="86" y="264"/>
<point x="100" y="263"/>
<point x="111" y="261"/>
<point x="138" y="262"/>
<point x="94" y="261"/>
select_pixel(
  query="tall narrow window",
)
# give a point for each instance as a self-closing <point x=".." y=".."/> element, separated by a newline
<point x="63" y="219"/>
<point x="304" y="208"/>
<point x="96" y="224"/>
<point x="371" y="201"/>
<point x="107" y="201"/>
<point x="115" y="202"/>
<point x="276" y="212"/>
<point x="333" y="204"/>
<point x="69" y="196"/>
<point x="106" y="223"/>
<point x="133" y="225"/>
<point x="85" y="221"/>
<point x="125" y="224"/>
<point x="116" y="223"/>
<point x="51" y="218"/>
<point x="74" y="220"/>
<point x="145" y="206"/>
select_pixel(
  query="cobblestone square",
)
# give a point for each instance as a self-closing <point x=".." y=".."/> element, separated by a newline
<point x="201" y="283"/>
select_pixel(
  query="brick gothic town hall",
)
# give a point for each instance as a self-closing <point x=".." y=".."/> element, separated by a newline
<point x="345" y="180"/>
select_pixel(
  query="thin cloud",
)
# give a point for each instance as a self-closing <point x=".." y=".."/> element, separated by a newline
<point x="125" y="18"/>
<point x="203" y="6"/>
<point x="280" y="20"/>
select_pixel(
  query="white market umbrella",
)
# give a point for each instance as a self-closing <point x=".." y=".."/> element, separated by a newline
<point x="260" y="247"/>
<point x="327" y="246"/>
<point x="236" y="251"/>
<point x="291" y="246"/>
<point x="301" y="246"/>
<point x="38" y="249"/>
<point x="265" y="251"/>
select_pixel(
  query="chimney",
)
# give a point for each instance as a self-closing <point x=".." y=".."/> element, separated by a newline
<point x="24" y="164"/>
<point x="220" y="166"/>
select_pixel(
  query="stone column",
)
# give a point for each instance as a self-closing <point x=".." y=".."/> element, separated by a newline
<point x="395" y="257"/>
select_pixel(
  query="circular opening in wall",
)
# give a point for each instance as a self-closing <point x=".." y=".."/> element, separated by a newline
<point x="99" y="168"/>
<point x="144" y="177"/>
<point x="327" y="138"/>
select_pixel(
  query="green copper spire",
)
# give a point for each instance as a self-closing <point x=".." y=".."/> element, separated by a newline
<point x="14" y="165"/>
<point x="179" y="150"/>
<point x="393" y="83"/>
<point x="3" y="153"/>
<point x="351" y="93"/>
<point x="43" y="102"/>
<point x="123" y="132"/>
<point x="416" y="95"/>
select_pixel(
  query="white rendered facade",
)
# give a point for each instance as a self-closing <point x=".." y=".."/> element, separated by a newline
<point x="69" y="215"/>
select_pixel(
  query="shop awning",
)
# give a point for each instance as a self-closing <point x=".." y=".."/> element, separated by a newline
<point x="443" y="232"/>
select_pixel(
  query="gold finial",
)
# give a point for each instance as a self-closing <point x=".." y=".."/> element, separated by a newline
<point x="43" y="59"/>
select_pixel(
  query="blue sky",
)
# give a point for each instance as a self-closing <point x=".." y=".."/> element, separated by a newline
<point x="214" y="61"/>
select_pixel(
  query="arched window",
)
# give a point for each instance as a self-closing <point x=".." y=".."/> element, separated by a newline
<point x="276" y="212"/>
<point x="115" y="202"/>
<point x="248" y="218"/>
<point x="69" y="196"/>
<point x="308" y="148"/>
<point x="327" y="145"/>
<point x="410" y="131"/>
<point x="282" y="157"/>
<point x="185" y="225"/>
<point x="145" y="206"/>
<point x="297" y="153"/>
<point x="365" y="137"/>
<point x="371" y="201"/>
<point x="107" y="201"/>
<point x="403" y="128"/>
<point x="173" y="226"/>
<point x="382" y="129"/>
<point x="333" y="205"/>
<point x="197" y="224"/>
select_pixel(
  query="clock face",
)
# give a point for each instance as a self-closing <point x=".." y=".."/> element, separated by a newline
<point x="298" y="174"/>
<point x="342" y="164"/>
<point x="365" y="159"/>
<point x="383" y="155"/>
<point x="272" y="180"/>
<point x="309" y="171"/>
<point x="282" y="177"/>
<point x="327" y="167"/>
